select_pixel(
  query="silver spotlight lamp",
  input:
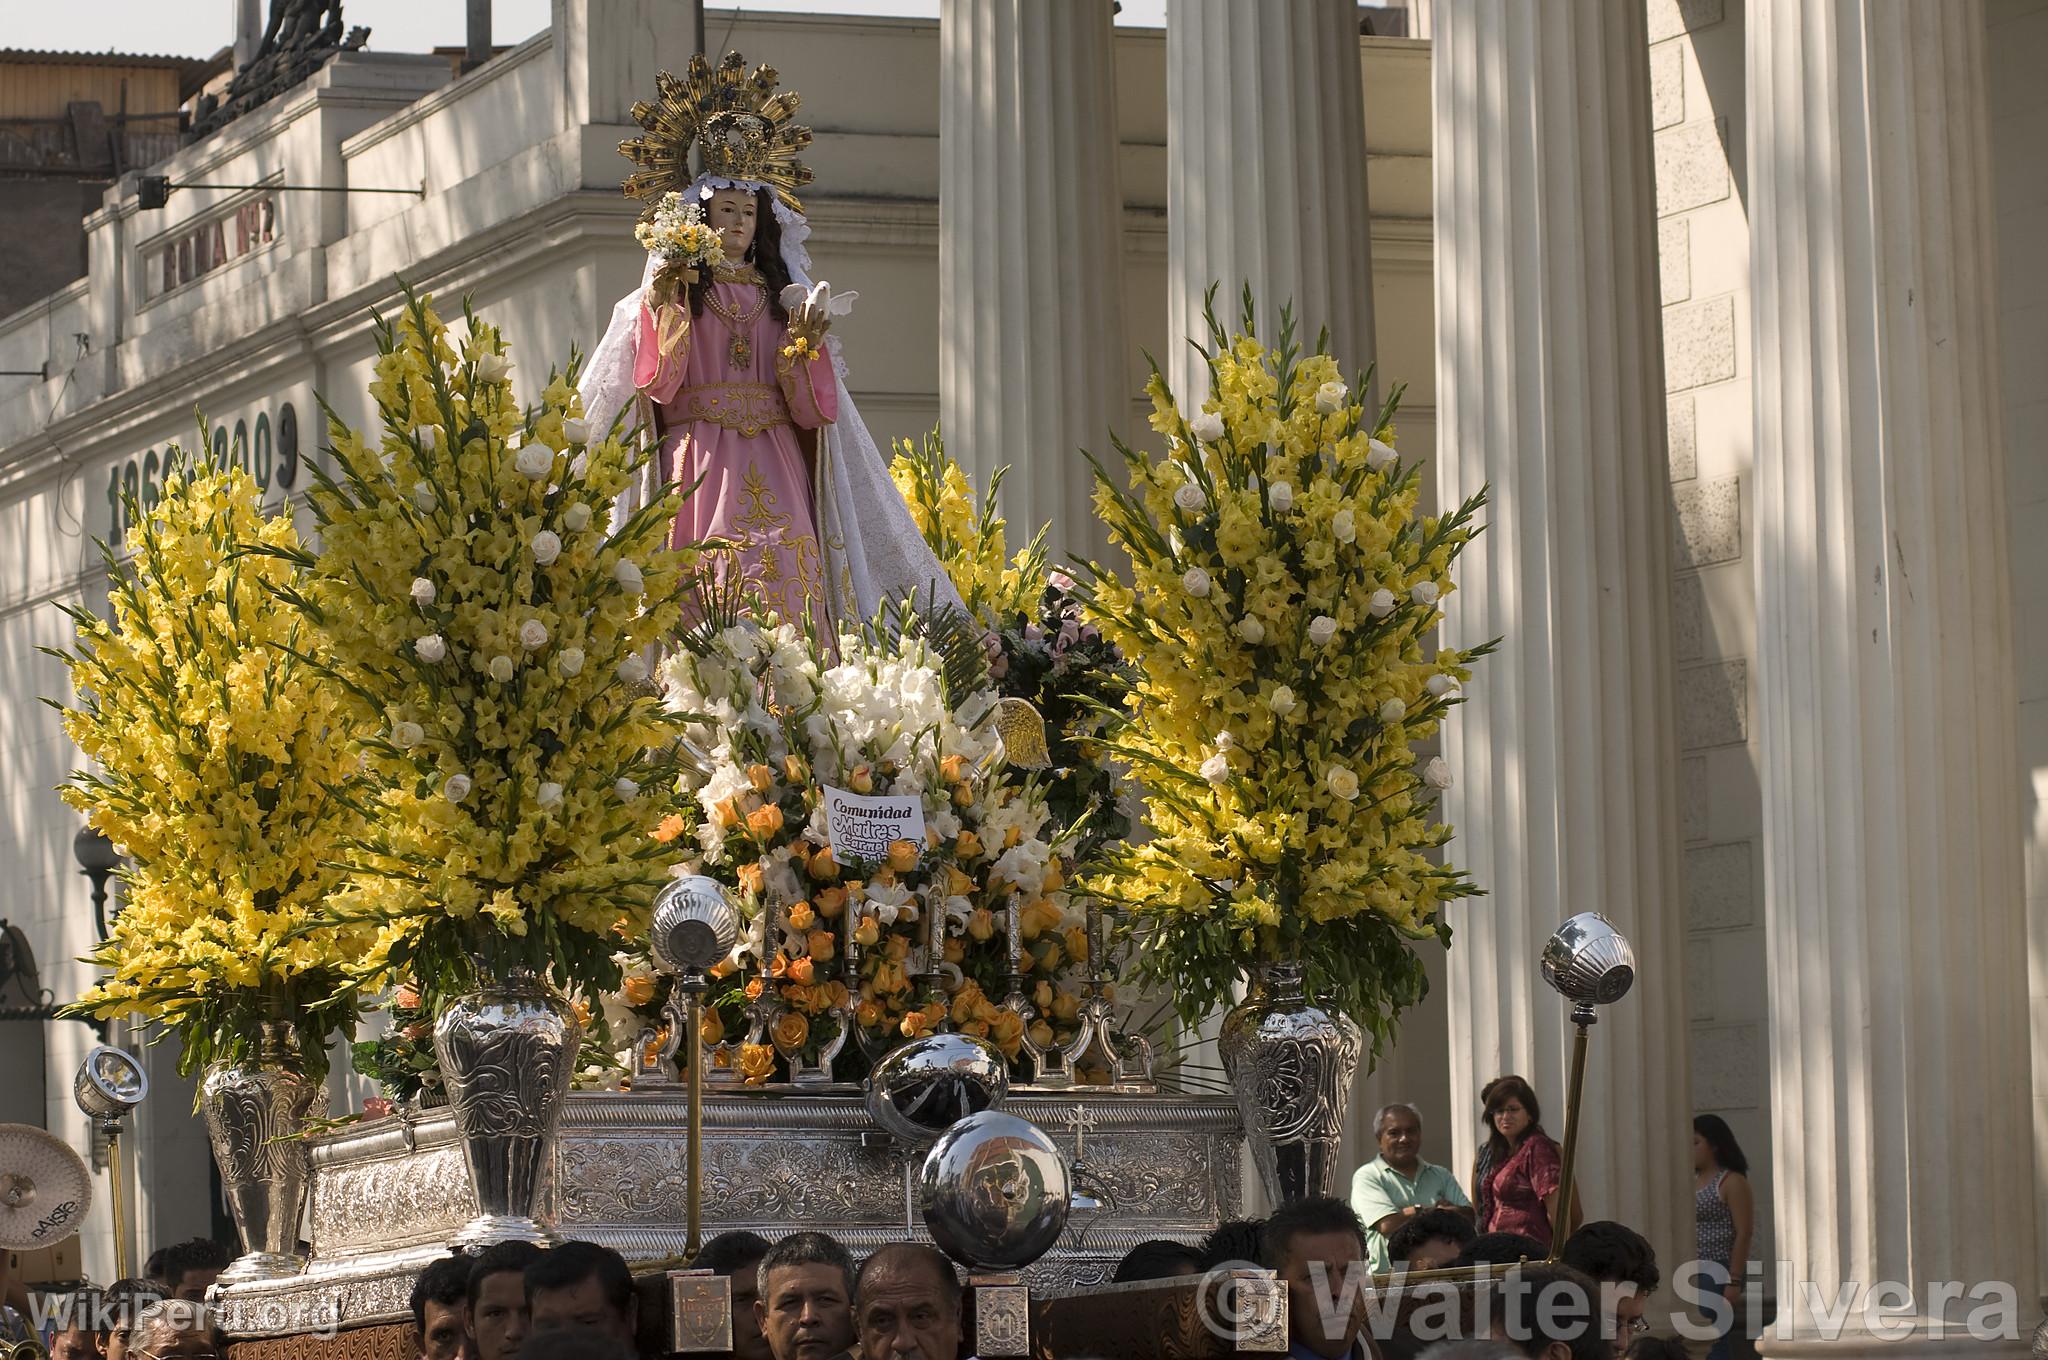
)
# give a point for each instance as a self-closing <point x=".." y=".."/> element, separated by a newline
<point x="695" y="925"/>
<point x="1590" y="964"/>
<point x="110" y="1083"/>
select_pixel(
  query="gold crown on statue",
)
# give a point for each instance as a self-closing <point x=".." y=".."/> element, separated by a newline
<point x="741" y="126"/>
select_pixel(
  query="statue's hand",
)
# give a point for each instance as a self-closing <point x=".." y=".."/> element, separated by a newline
<point x="809" y="322"/>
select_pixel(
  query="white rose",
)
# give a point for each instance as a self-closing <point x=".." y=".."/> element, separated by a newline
<point x="500" y="668"/>
<point x="533" y="635"/>
<point x="1440" y="685"/>
<point x="1251" y="630"/>
<point x="406" y="735"/>
<point x="576" y="518"/>
<point x="1330" y="397"/>
<point x="1381" y="604"/>
<point x="548" y="795"/>
<point x="626" y="789"/>
<point x="627" y="574"/>
<point x="1343" y="527"/>
<point x="1216" y="769"/>
<point x="1189" y="497"/>
<point x="430" y="648"/>
<point x="1282" y="702"/>
<point x="423" y="591"/>
<point x="576" y="429"/>
<point x="1226" y="739"/>
<point x="1342" y="782"/>
<point x="1281" y="496"/>
<point x="1380" y="455"/>
<point x="1392" y="711"/>
<point x="1321" y="629"/>
<point x="492" y="367"/>
<point x="535" y="461"/>
<point x="428" y="437"/>
<point x="457" y="788"/>
<point x="547" y="546"/>
<point x="1195" y="582"/>
<point x="633" y="670"/>
<point x="570" y="662"/>
<point x="1437" y="773"/>
<point x="423" y="497"/>
<point x="1207" y="427"/>
<point x="1423" y="592"/>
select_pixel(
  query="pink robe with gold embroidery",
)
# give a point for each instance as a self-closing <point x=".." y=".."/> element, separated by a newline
<point x="734" y="424"/>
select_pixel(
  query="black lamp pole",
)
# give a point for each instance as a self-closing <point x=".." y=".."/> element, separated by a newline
<point x="97" y="860"/>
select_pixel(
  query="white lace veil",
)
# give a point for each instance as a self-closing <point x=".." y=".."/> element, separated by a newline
<point x="871" y="549"/>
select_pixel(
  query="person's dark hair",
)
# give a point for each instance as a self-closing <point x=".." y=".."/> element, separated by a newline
<point x="1658" y="1348"/>
<point x="506" y="1258"/>
<point x="1318" y="1214"/>
<point x="1495" y="1094"/>
<point x="1158" y="1259"/>
<point x="731" y="1252"/>
<point x="1428" y="1226"/>
<point x="899" y="1255"/>
<point x="125" y="1300"/>
<point x="153" y="1264"/>
<point x="572" y="1343"/>
<point x="1499" y="1249"/>
<point x="1235" y="1239"/>
<point x="1607" y="1250"/>
<point x="808" y="1249"/>
<point x="444" y="1281"/>
<point x="1727" y="1152"/>
<point x="1534" y="1305"/>
<point x="765" y="255"/>
<point x="572" y="1263"/>
<point x="171" y="1263"/>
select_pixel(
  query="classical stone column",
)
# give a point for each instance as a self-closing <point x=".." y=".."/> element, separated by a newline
<point x="1265" y="178"/>
<point x="1892" y="875"/>
<point x="1550" y="388"/>
<point x="1032" y="366"/>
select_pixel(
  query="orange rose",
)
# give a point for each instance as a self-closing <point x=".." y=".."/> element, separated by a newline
<point x="801" y="917"/>
<point x="897" y="947"/>
<point x="407" y="996"/>
<point x="867" y="1015"/>
<point x="800" y="972"/>
<point x="962" y="796"/>
<point x="956" y="949"/>
<point x="822" y="866"/>
<point x="727" y="814"/>
<point x="1012" y="837"/>
<point x="957" y="883"/>
<point x="822" y="946"/>
<point x="1041" y="1034"/>
<point x="757" y="1063"/>
<point x="1076" y="938"/>
<point x="753" y="989"/>
<point x="861" y="780"/>
<point x="867" y="932"/>
<point x="723" y="968"/>
<point x="1066" y="1006"/>
<point x="1041" y="995"/>
<point x="790" y="1030"/>
<point x="637" y="990"/>
<point x="722" y="1058"/>
<point x="978" y="1028"/>
<point x="981" y="923"/>
<point x="710" y="1028"/>
<point x="1007" y="1028"/>
<point x="761" y="777"/>
<point x="750" y="878"/>
<point x="670" y="828"/>
<point x="902" y="856"/>
<point x="967" y="846"/>
<point x="1050" y="959"/>
<point x="836" y="994"/>
<point x="795" y="769"/>
<point x="764" y="821"/>
<point x="830" y="902"/>
<point x="914" y="1024"/>
<point x="952" y="768"/>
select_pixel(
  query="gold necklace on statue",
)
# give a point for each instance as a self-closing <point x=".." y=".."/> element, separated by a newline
<point x="742" y="349"/>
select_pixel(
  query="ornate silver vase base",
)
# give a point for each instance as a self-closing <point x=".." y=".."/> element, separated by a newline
<point x="488" y="1230"/>
<point x="253" y="1266"/>
<point x="255" y="1115"/>
<point x="1290" y="1064"/>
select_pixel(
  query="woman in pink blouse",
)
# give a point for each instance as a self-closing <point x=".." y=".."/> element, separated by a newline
<point x="1514" y="1183"/>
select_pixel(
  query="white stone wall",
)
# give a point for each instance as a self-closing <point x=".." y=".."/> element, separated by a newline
<point x="2017" y="46"/>
<point x="1696" y="97"/>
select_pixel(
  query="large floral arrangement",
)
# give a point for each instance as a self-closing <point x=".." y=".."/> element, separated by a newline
<point x="490" y="625"/>
<point x="773" y="719"/>
<point x="218" y="744"/>
<point x="1281" y="592"/>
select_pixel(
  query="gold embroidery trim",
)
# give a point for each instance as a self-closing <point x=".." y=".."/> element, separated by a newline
<point x="749" y="408"/>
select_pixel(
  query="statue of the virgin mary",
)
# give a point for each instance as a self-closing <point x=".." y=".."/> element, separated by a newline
<point x="729" y="361"/>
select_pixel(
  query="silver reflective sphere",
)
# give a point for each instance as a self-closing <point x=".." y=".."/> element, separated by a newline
<point x="995" y="1192"/>
<point x="694" y="925"/>
<point x="928" y="1085"/>
<point x="1589" y="960"/>
<point x="109" y="1083"/>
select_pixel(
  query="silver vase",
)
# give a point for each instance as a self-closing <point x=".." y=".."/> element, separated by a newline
<point x="254" y="1114"/>
<point x="1290" y="1064"/>
<point x="507" y="1052"/>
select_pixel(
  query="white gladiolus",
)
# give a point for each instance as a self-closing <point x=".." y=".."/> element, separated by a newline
<point x="1207" y="427"/>
<point x="499" y="668"/>
<point x="1250" y="629"/>
<point x="547" y="546"/>
<point x="626" y="789"/>
<point x="430" y="648"/>
<point x="576" y="518"/>
<point x="1423" y="593"/>
<point x="1440" y="685"/>
<point x="1330" y="397"/>
<point x="535" y="461"/>
<point x="1282" y="701"/>
<point x="1344" y="526"/>
<point x="1342" y="782"/>
<point x="548" y="795"/>
<point x="1380" y="455"/>
<point x="1195" y="582"/>
<point x="1216" y="769"/>
<point x="1281" y="496"/>
<point x="493" y="367"/>
<point x="423" y="591"/>
<point x="633" y="670"/>
<point x="570" y="662"/>
<point x="1188" y="496"/>
<point x="533" y="635"/>
<point x="1381" y="604"/>
<point x="627" y="574"/>
<point x="423" y="498"/>
<point x="457" y="788"/>
<point x="1437" y="773"/>
<point x="1392" y="711"/>
<point x="576" y="429"/>
<point x="428" y="437"/>
<point x="406" y="735"/>
<point x="1321" y="629"/>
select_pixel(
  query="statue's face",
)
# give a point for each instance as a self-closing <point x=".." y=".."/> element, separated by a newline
<point x="731" y="213"/>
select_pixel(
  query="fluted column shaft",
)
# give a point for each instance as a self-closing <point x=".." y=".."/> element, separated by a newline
<point x="1550" y="388"/>
<point x="1893" y="894"/>
<point x="1032" y="365"/>
<point x="1265" y="180"/>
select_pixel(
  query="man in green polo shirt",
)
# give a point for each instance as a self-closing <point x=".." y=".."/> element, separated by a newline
<point x="1398" y="1184"/>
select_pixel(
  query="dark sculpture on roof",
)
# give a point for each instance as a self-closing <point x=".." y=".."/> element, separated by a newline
<point x="300" y="38"/>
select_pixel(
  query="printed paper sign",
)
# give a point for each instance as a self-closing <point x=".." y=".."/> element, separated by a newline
<point x="862" y="826"/>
